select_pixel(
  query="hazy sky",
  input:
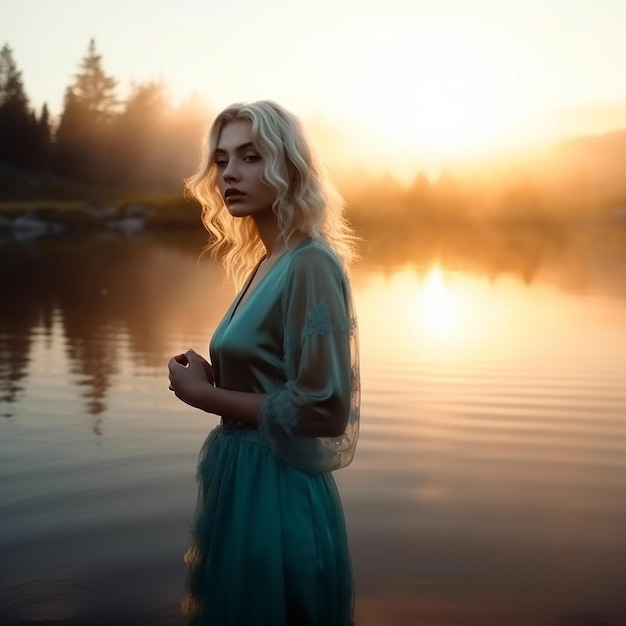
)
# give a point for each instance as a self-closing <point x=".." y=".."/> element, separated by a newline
<point x="442" y="74"/>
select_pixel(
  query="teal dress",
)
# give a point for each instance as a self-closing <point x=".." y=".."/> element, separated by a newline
<point x="269" y="544"/>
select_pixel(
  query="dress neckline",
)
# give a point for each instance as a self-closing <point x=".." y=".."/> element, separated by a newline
<point x="238" y="301"/>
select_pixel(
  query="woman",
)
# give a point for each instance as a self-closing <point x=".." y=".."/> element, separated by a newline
<point x="269" y="541"/>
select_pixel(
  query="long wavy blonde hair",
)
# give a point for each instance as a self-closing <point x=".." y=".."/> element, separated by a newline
<point x="306" y="200"/>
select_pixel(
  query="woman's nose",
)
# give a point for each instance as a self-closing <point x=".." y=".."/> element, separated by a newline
<point x="230" y="171"/>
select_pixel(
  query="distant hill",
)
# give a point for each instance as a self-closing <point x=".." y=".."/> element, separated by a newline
<point x="594" y="166"/>
<point x="590" y="120"/>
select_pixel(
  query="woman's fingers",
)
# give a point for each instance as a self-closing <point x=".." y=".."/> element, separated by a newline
<point x="187" y="367"/>
<point x="197" y="359"/>
<point x="173" y="366"/>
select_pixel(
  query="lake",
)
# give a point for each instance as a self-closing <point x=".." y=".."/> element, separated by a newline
<point x="489" y="484"/>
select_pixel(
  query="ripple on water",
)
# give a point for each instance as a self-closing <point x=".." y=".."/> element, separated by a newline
<point x="45" y="601"/>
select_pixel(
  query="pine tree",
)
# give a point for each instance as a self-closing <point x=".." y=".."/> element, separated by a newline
<point x="69" y="148"/>
<point x="94" y="89"/>
<point x="82" y="140"/>
<point x="137" y="134"/>
<point x="16" y="128"/>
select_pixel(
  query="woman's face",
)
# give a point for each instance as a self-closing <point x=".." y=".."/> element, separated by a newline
<point x="240" y="170"/>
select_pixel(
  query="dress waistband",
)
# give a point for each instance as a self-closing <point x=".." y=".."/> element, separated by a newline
<point x="232" y="424"/>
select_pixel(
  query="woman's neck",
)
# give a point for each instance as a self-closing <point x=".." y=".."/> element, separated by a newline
<point x="269" y="231"/>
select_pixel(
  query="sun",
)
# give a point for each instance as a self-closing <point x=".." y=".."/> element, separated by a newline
<point x="438" y="85"/>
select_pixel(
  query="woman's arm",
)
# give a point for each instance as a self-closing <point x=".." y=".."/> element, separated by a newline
<point x="191" y="380"/>
<point x="315" y="399"/>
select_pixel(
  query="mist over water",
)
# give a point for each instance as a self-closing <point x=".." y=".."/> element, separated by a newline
<point x="489" y="483"/>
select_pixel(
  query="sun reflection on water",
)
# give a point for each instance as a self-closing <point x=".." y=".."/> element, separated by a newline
<point x="437" y="307"/>
<point x="443" y="315"/>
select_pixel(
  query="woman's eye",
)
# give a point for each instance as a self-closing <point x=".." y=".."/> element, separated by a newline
<point x="251" y="158"/>
<point x="221" y="163"/>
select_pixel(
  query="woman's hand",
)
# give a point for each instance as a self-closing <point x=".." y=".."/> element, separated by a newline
<point x="192" y="380"/>
<point x="189" y="375"/>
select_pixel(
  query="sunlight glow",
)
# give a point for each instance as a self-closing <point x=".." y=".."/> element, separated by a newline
<point x="446" y="87"/>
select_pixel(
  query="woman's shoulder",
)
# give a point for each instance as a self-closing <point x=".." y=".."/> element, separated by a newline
<point x="315" y="253"/>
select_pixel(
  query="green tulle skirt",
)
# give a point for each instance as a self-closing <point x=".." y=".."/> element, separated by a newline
<point x="269" y="543"/>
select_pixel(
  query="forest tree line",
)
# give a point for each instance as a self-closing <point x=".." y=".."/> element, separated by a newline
<point x="141" y="143"/>
<point x="144" y="144"/>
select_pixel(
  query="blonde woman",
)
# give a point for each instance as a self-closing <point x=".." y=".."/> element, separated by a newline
<point x="269" y="544"/>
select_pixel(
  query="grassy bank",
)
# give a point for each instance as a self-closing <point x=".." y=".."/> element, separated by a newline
<point x="157" y="212"/>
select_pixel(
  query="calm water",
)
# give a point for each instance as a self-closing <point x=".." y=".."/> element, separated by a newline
<point x="489" y="485"/>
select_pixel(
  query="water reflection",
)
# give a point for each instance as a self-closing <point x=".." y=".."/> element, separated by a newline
<point x="110" y="295"/>
<point x="101" y="292"/>
<point x="573" y="258"/>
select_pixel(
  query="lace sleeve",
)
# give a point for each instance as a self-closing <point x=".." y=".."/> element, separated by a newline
<point x="311" y="420"/>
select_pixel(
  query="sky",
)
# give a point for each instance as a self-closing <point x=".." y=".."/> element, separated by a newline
<point x="394" y="79"/>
